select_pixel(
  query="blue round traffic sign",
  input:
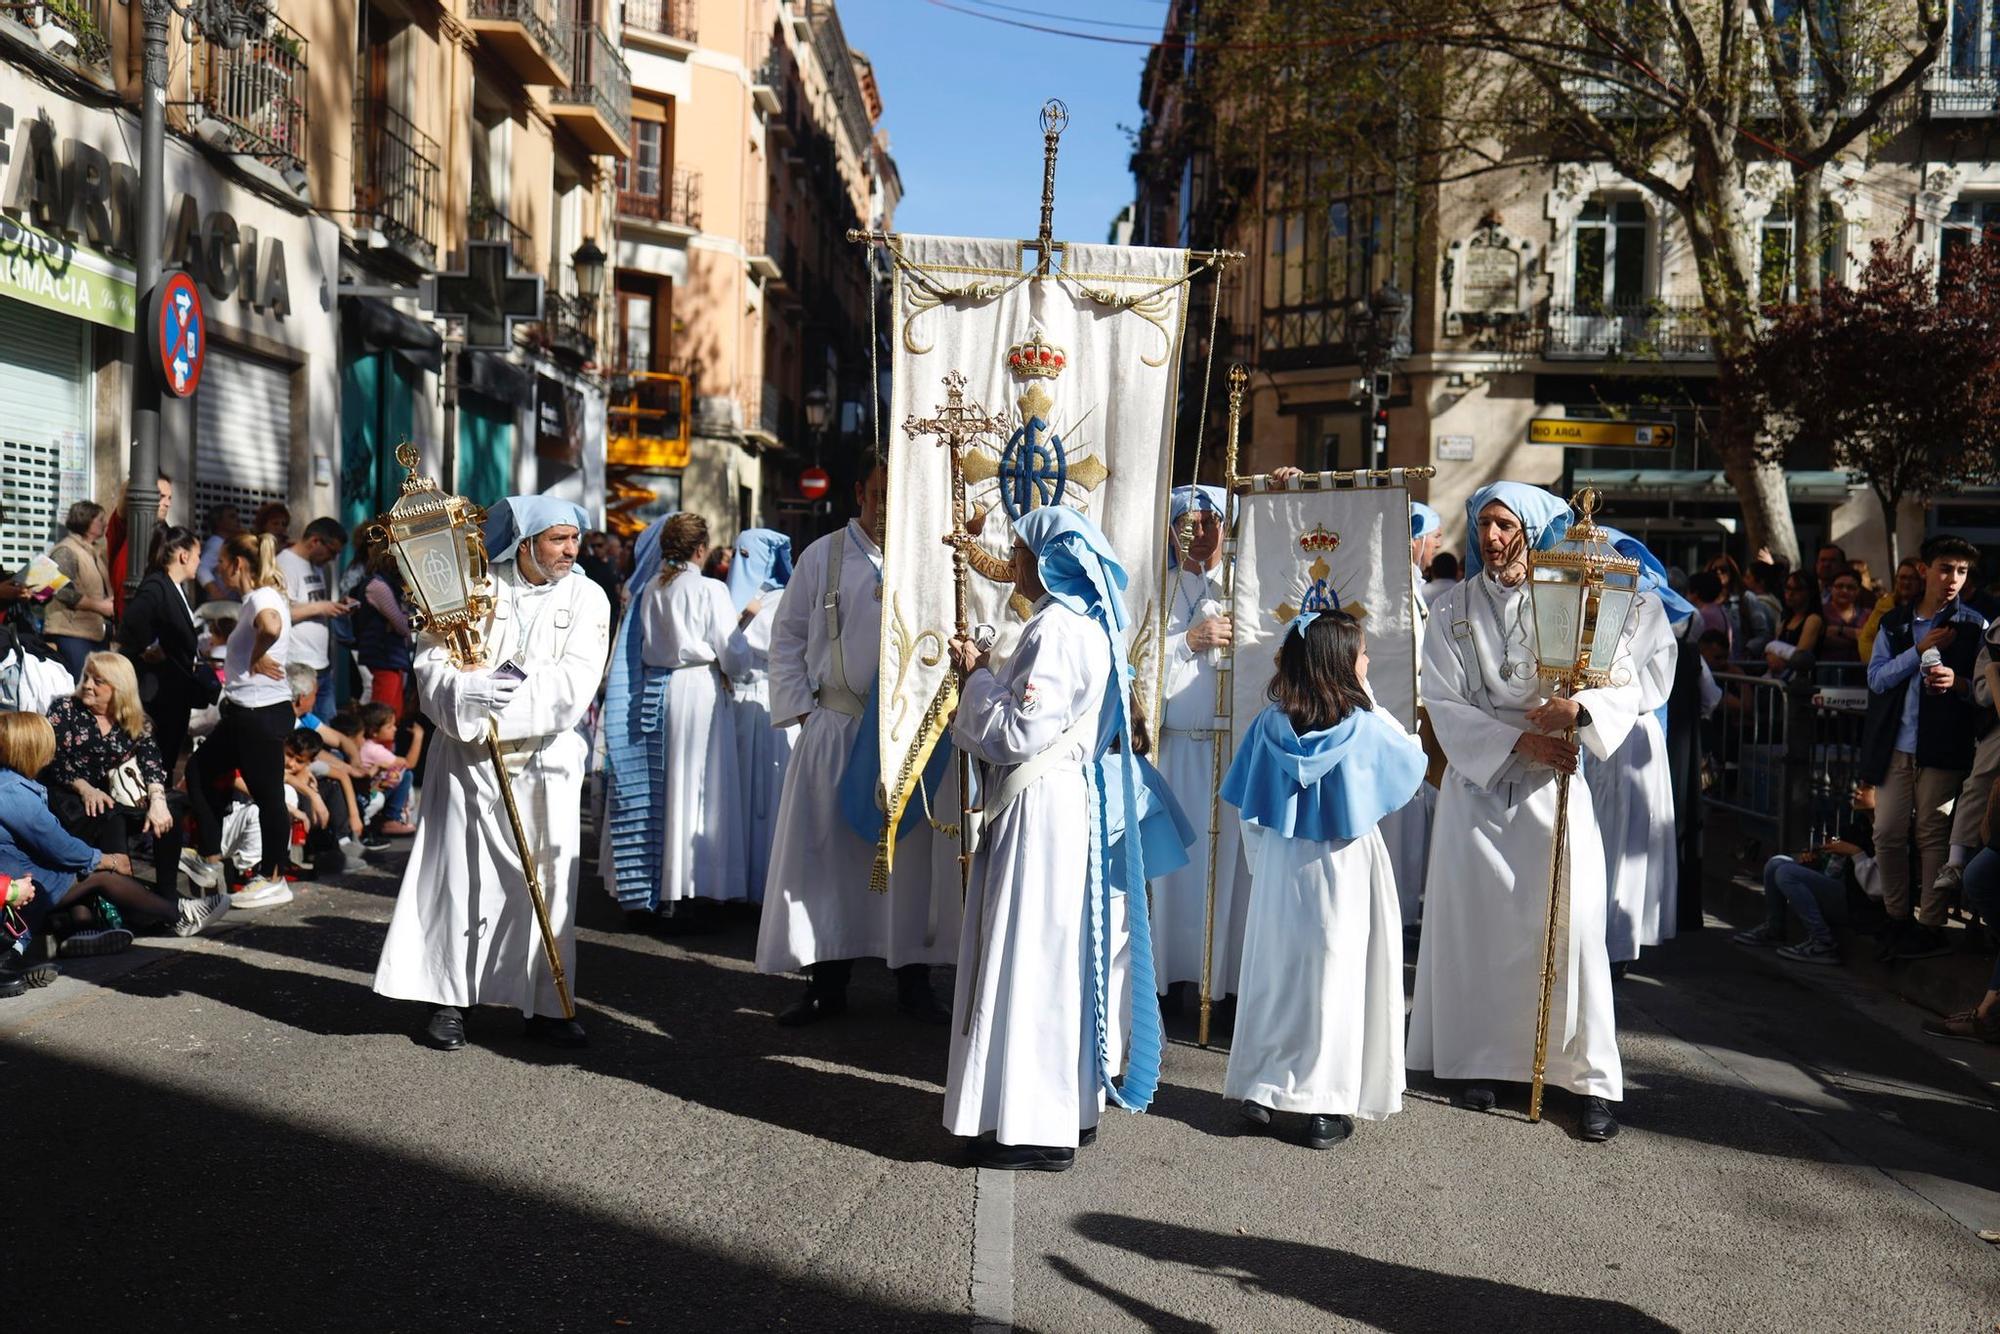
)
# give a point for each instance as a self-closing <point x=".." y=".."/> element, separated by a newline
<point x="179" y="332"/>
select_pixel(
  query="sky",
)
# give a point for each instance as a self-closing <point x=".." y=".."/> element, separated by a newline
<point x="961" y="98"/>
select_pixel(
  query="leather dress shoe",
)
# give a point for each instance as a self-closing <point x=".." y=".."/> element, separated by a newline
<point x="1477" y="1098"/>
<point x="1021" y="1157"/>
<point x="921" y="1004"/>
<point x="1086" y="1137"/>
<point x="1597" y="1124"/>
<point x="555" y="1032"/>
<point x="1256" y="1116"/>
<point x="446" y="1030"/>
<point x="1323" y="1132"/>
<point x="813" y="1007"/>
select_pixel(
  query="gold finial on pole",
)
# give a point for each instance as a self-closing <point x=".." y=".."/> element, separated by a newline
<point x="1055" y="118"/>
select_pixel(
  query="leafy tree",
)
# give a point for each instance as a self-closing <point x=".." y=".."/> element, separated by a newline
<point x="1896" y="375"/>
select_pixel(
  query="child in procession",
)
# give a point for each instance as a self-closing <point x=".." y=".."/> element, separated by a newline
<point x="1319" y="1015"/>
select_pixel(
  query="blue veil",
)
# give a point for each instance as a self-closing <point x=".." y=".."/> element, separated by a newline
<point x="1545" y="517"/>
<point x="635" y="746"/>
<point x="763" y="562"/>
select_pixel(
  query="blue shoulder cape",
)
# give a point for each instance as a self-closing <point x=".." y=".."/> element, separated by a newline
<point x="1164" y="832"/>
<point x="858" y="781"/>
<point x="1330" y="785"/>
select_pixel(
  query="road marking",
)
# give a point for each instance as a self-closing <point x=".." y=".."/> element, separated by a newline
<point x="992" y="1251"/>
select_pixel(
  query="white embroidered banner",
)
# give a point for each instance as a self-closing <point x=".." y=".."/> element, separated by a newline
<point x="1346" y="550"/>
<point x="1075" y="376"/>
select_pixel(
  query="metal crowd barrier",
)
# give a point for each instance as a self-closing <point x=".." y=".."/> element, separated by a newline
<point x="1783" y="756"/>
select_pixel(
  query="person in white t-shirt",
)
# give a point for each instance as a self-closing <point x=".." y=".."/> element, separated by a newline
<point x="256" y="717"/>
<point x="305" y="567"/>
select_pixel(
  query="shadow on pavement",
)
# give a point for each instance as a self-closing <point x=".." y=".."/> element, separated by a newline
<point x="229" y="1219"/>
<point x="1400" y="1299"/>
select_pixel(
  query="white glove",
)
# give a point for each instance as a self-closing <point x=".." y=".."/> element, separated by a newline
<point x="490" y="691"/>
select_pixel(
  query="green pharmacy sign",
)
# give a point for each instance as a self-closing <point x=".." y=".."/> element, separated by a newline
<point x="59" y="275"/>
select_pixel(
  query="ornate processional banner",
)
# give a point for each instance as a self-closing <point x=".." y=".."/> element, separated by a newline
<point x="1324" y="550"/>
<point x="1061" y="390"/>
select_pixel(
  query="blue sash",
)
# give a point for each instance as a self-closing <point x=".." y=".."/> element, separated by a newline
<point x="863" y="774"/>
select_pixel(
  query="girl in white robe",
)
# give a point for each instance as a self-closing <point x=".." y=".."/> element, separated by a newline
<point x="757" y="579"/>
<point x="685" y="620"/>
<point x="1319" y="1008"/>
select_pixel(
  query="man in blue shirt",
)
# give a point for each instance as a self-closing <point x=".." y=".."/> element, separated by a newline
<point x="1917" y="745"/>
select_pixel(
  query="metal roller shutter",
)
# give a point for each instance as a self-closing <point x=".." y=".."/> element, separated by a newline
<point x="242" y="433"/>
<point x="44" y="414"/>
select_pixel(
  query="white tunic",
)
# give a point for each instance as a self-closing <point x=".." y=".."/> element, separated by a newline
<point x="683" y="626"/>
<point x="1319" y="1013"/>
<point x="1487" y="891"/>
<point x="817" y="904"/>
<point x="762" y="750"/>
<point x="1020" y="1066"/>
<point x="1633" y="793"/>
<point x="1407" y="832"/>
<point x="1186" y="752"/>
<point x="464" y="931"/>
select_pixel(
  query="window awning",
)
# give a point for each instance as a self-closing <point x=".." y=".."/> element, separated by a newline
<point x="377" y="326"/>
<point x="1831" y="487"/>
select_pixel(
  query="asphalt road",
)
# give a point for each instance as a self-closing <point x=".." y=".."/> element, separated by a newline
<point x="235" y="1133"/>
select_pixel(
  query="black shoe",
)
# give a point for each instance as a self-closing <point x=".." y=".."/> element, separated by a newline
<point x="31" y="976"/>
<point x="1618" y="970"/>
<point x="813" y="1007"/>
<point x="1892" y="938"/>
<point x="915" y="998"/>
<point x="446" y="1030"/>
<point x="998" y="1157"/>
<point x="1477" y="1098"/>
<point x="1086" y="1137"/>
<point x="375" y="842"/>
<point x="565" y="1033"/>
<point x="1922" y="942"/>
<point x="1597" y="1124"/>
<point x="1256" y="1116"/>
<point x="1323" y="1132"/>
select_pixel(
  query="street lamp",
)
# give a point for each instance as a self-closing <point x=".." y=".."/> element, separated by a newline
<point x="229" y="24"/>
<point x="1381" y="334"/>
<point x="587" y="262"/>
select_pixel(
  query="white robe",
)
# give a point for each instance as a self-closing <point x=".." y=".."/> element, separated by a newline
<point x="1487" y="891"/>
<point x="1020" y="1066"/>
<point x="1319" y="1012"/>
<point x="762" y="750"/>
<point x="1633" y="793"/>
<point x="817" y="904"/>
<point x="1407" y="832"/>
<point x="463" y="931"/>
<point x="683" y="627"/>
<point x="1186" y="753"/>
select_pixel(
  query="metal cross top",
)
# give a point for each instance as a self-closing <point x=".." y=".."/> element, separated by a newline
<point x="958" y="423"/>
<point x="488" y="296"/>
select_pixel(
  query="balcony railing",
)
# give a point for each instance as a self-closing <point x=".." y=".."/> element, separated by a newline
<point x="85" y="23"/>
<point x="668" y="18"/>
<point x="598" y="80"/>
<point x="488" y="223"/>
<point x="546" y="23"/>
<point x="679" y="204"/>
<point x="768" y="87"/>
<point x="569" y="324"/>
<point x="1963" y="89"/>
<point x="257" y="93"/>
<point x="396" y="179"/>
<point x="1644" y="331"/>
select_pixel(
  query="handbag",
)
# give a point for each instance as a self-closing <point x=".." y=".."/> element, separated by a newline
<point x="126" y="783"/>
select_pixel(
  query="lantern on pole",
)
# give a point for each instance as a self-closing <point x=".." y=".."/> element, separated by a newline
<point x="1580" y="592"/>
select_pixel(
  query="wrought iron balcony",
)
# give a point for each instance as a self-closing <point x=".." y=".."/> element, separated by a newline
<point x="253" y="100"/>
<point x="78" y="30"/>
<point x="1964" y="89"/>
<point x="767" y="88"/>
<point x="678" y="205"/>
<point x="663" y="18"/>
<point x="756" y="245"/>
<point x="569" y="324"/>
<point x="396" y="180"/>
<point x="532" y="36"/>
<point x="596" y="107"/>
<point x="488" y="223"/>
<point x="1674" y="330"/>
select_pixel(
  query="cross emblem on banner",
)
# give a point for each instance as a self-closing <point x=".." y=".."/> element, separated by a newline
<point x="957" y="424"/>
<point x="488" y="296"/>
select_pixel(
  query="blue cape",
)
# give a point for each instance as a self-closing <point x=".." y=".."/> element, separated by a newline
<point x="1079" y="569"/>
<point x="1165" y="835"/>
<point x="634" y="723"/>
<point x="863" y="775"/>
<point x="1545" y="517"/>
<point x="1652" y="574"/>
<point x="520" y="517"/>
<point x="763" y="562"/>
<point x="1331" y="785"/>
<point x="1423" y="520"/>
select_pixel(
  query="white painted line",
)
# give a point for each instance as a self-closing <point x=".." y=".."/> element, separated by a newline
<point x="992" y="1251"/>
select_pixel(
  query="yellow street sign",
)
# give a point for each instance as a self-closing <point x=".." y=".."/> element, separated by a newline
<point x="1617" y="435"/>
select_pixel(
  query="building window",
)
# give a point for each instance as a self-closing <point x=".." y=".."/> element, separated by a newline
<point x="1330" y="238"/>
<point x="1776" y="279"/>
<point x="635" y="331"/>
<point x="1610" y="255"/>
<point x="640" y="176"/>
<point x="1971" y="222"/>
<point x="1975" y="38"/>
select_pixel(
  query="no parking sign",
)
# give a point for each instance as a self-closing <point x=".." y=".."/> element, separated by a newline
<point x="180" y="334"/>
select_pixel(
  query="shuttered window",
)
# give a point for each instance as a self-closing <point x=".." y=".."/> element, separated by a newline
<point x="44" y="412"/>
<point x="242" y="433"/>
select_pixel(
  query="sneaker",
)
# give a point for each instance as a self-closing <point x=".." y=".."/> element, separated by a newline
<point x="1761" y="934"/>
<point x="1922" y="942"/>
<point x="1949" y="881"/>
<point x="375" y="840"/>
<point x="355" y="850"/>
<point x="396" y="828"/>
<point x="199" y="872"/>
<point x="261" y="892"/>
<point x="198" y="913"/>
<point x="17" y="975"/>
<point x="1966" y="1024"/>
<point x="1811" y="950"/>
<point x="373" y="806"/>
<point x="90" y="944"/>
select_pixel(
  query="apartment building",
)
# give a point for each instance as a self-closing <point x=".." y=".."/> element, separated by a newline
<point x="317" y="173"/>
<point x="1538" y="292"/>
<point x="741" y="309"/>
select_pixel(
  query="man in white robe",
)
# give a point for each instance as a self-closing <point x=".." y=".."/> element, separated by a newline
<point x="1485" y="913"/>
<point x="1199" y="632"/>
<point x="1407" y="832"/>
<point x="464" y="930"/>
<point x="819" y="912"/>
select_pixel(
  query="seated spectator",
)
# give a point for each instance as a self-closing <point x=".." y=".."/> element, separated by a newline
<point x="390" y="772"/>
<point x="1818" y="887"/>
<point x="108" y="780"/>
<point x="79" y="615"/>
<point x="310" y="794"/>
<point x="22" y="908"/>
<point x="69" y="871"/>
<point x="304" y="683"/>
<point x="1845" y="617"/>
<point x="1982" y="894"/>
